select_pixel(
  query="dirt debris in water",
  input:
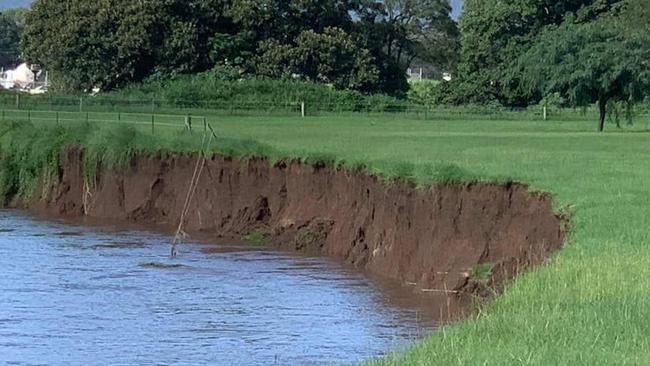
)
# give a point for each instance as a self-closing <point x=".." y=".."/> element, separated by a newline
<point x="159" y="265"/>
<point x="120" y="245"/>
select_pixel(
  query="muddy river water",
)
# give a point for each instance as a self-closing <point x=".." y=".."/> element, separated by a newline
<point x="80" y="295"/>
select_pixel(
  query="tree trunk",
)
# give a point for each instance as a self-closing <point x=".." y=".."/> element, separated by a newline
<point x="602" y="107"/>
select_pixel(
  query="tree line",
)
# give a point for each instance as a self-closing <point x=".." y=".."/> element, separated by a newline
<point x="12" y="23"/>
<point x="514" y="53"/>
<point x="363" y="45"/>
<point x="574" y="53"/>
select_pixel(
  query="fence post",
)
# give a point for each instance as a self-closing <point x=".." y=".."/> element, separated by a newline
<point x="57" y="118"/>
<point x="152" y="124"/>
<point x="29" y="116"/>
<point x="188" y="122"/>
<point x="87" y="118"/>
<point x="119" y="116"/>
<point x="205" y="124"/>
<point x="18" y="101"/>
<point x="302" y="109"/>
<point x="545" y="113"/>
<point x="81" y="104"/>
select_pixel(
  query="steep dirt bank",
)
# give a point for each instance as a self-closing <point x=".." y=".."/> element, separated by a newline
<point x="432" y="239"/>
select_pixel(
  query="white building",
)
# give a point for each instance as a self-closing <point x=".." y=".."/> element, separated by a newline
<point x="25" y="79"/>
<point x="22" y="76"/>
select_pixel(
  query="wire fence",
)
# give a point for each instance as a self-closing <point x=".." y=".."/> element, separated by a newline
<point x="291" y="108"/>
<point x="147" y="120"/>
<point x="96" y="108"/>
<point x="142" y="105"/>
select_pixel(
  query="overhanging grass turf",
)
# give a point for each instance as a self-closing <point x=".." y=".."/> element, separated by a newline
<point x="590" y="305"/>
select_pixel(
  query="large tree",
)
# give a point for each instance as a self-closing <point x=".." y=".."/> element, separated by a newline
<point x="284" y="20"/>
<point x="329" y="57"/>
<point x="398" y="31"/>
<point x="9" y="40"/>
<point x="495" y="33"/>
<point x="110" y="43"/>
<point x="264" y="30"/>
<point x="600" y="61"/>
<point x="394" y="31"/>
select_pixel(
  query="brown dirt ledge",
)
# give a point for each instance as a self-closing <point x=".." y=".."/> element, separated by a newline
<point x="431" y="239"/>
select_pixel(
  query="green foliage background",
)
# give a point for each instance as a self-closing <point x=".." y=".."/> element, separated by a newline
<point x="355" y="45"/>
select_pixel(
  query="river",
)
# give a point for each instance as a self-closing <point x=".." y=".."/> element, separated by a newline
<point x="86" y="295"/>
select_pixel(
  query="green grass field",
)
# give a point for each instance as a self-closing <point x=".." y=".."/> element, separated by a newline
<point x="589" y="305"/>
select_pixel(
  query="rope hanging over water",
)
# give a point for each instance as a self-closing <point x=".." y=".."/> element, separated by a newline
<point x="194" y="182"/>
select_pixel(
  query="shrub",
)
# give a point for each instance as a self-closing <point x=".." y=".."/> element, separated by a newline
<point x="424" y="92"/>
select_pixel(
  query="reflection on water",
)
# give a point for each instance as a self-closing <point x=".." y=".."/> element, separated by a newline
<point x="76" y="295"/>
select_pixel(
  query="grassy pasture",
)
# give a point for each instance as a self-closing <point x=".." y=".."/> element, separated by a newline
<point x="589" y="305"/>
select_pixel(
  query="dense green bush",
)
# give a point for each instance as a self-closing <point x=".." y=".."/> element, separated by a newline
<point x="425" y="92"/>
<point x="224" y="87"/>
<point x="30" y="151"/>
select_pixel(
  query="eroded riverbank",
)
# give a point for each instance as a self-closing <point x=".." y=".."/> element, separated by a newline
<point x="450" y="238"/>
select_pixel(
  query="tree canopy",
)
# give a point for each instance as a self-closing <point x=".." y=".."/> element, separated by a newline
<point x="111" y="43"/>
<point x="359" y="44"/>
<point x="588" y="63"/>
<point x="598" y="61"/>
<point x="10" y="29"/>
<point x="495" y="33"/>
<point x="330" y="57"/>
<point x="518" y="52"/>
<point x="398" y="31"/>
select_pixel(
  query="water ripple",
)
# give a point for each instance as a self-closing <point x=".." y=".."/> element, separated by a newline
<point x="74" y="295"/>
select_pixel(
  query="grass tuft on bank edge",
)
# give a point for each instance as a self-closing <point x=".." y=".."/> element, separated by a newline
<point x="29" y="150"/>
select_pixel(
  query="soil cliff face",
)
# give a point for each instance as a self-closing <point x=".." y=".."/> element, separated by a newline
<point x="432" y="238"/>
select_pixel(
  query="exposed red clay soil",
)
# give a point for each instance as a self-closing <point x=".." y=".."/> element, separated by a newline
<point x="431" y="239"/>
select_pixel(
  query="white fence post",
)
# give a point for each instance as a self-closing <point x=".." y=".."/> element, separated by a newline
<point x="302" y="109"/>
